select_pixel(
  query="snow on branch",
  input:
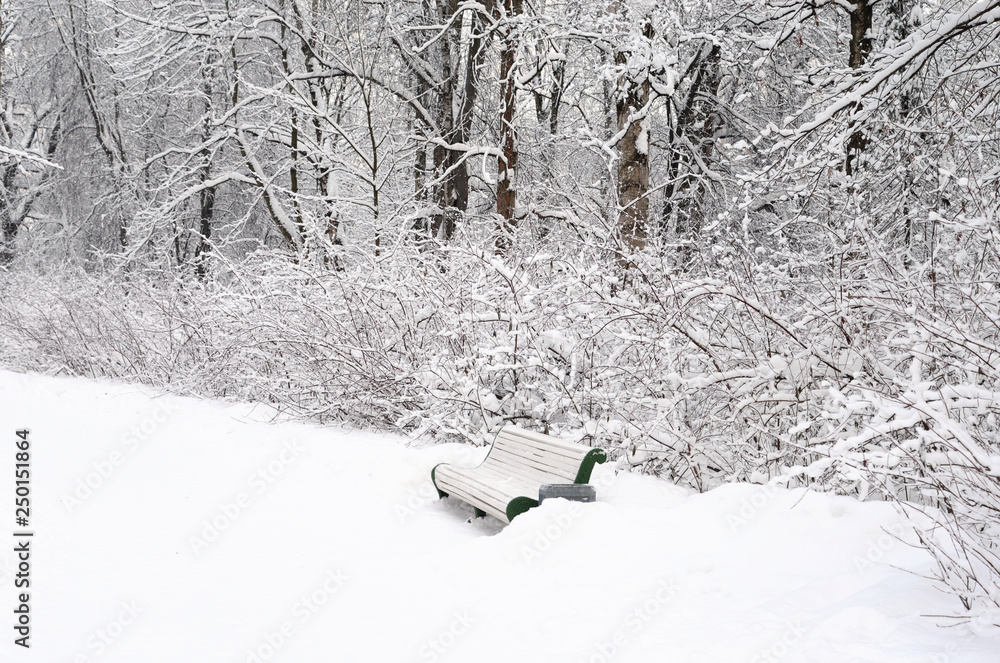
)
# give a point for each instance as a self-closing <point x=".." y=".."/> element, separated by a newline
<point x="900" y="63"/>
<point x="30" y="156"/>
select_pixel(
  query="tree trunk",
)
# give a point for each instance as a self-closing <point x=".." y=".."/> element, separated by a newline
<point x="8" y="227"/>
<point x="12" y="216"/>
<point x="421" y="227"/>
<point x="860" y="48"/>
<point x="445" y="194"/>
<point x="633" y="155"/>
<point x="899" y="28"/>
<point x="451" y="171"/>
<point x="206" y="197"/>
<point x="319" y="98"/>
<point x="206" y="209"/>
<point x="695" y="127"/>
<point x="507" y="162"/>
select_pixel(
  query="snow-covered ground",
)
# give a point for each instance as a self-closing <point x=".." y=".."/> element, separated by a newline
<point x="171" y="529"/>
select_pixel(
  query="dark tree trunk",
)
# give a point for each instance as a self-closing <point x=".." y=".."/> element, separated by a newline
<point x="633" y="156"/>
<point x="8" y="226"/>
<point x="445" y="194"/>
<point x="899" y="28"/>
<point x="451" y="171"/>
<point x="12" y="217"/>
<point x="206" y="197"/>
<point x="420" y="225"/>
<point x="695" y="127"/>
<point x="206" y="212"/>
<point x="860" y="49"/>
<point x="507" y="162"/>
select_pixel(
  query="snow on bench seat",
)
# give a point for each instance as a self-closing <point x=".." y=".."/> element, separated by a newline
<point x="519" y="462"/>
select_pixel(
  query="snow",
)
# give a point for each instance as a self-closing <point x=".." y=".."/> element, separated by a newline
<point x="642" y="140"/>
<point x="208" y="534"/>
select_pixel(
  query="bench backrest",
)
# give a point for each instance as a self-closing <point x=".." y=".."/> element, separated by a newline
<point x="544" y="457"/>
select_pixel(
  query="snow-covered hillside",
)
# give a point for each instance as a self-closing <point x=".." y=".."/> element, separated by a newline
<point x="170" y="529"/>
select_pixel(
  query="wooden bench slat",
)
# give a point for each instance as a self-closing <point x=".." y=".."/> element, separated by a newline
<point x="555" y="450"/>
<point x="464" y="484"/>
<point x="544" y="440"/>
<point x="485" y="499"/>
<point x="469" y="498"/>
<point x="503" y="484"/>
<point x="555" y="458"/>
<point x="497" y="481"/>
<point x="513" y="461"/>
<point x="514" y="484"/>
<point x="503" y="462"/>
<point x="492" y="495"/>
<point x="540" y="455"/>
<point x="524" y="458"/>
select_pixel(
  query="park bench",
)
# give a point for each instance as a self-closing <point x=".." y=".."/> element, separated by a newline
<point x="519" y="463"/>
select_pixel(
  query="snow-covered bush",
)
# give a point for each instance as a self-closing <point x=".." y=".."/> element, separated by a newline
<point x="917" y="423"/>
<point x="877" y="387"/>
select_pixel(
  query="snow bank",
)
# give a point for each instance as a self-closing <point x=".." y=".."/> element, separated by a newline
<point x="171" y="529"/>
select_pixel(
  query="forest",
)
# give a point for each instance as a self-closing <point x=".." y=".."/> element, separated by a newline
<point x="732" y="241"/>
